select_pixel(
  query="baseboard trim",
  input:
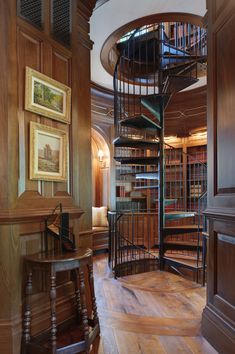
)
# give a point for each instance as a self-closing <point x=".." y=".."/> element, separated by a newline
<point x="219" y="333"/>
<point x="10" y="336"/>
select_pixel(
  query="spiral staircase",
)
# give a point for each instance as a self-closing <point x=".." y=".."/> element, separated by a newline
<point x="156" y="61"/>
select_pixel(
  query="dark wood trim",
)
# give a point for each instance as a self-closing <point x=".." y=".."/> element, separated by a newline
<point x="84" y="12"/>
<point x="31" y="215"/>
<point x="98" y="90"/>
<point x="217" y="332"/>
<point x="100" y="3"/>
<point x="220" y="213"/>
<point x="28" y="28"/>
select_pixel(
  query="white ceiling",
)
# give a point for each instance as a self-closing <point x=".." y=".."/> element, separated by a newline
<point x="116" y="13"/>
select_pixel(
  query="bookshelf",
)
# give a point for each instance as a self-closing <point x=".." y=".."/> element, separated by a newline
<point x="185" y="172"/>
<point x="196" y="174"/>
<point x="185" y="176"/>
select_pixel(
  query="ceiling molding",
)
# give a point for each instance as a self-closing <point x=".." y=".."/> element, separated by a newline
<point x="84" y="12"/>
<point x="100" y="3"/>
<point x="101" y="90"/>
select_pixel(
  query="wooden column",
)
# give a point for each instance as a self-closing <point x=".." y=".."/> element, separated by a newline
<point x="25" y="203"/>
<point x="218" y="323"/>
<point x="81" y="91"/>
<point x="10" y="320"/>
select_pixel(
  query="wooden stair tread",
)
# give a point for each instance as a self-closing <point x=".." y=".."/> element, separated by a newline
<point x="146" y="187"/>
<point x="181" y="257"/>
<point x="147" y="175"/>
<point x="170" y="49"/>
<point x="183" y="260"/>
<point x="174" y="215"/>
<point x="181" y="64"/>
<point x="134" y="173"/>
<point x="137" y="143"/>
<point x="183" y="243"/>
<point x="141" y="122"/>
<point x="183" y="227"/>
<point x="149" y="160"/>
<point x="177" y="83"/>
<point x="167" y="201"/>
<point x="155" y="103"/>
<point x="192" y="58"/>
<point x="172" y="230"/>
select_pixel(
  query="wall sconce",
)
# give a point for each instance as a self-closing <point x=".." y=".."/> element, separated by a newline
<point x="100" y="155"/>
<point x="171" y="138"/>
<point x="200" y="135"/>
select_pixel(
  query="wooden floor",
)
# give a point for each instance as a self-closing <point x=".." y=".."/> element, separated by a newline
<point x="150" y="313"/>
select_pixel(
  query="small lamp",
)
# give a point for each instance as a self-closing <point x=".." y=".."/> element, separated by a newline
<point x="100" y="155"/>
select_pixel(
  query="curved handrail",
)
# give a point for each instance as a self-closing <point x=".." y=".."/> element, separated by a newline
<point x="125" y="47"/>
<point x="138" y="247"/>
<point x="58" y="206"/>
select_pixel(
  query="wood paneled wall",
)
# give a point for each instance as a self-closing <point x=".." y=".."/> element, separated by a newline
<point x="219" y="314"/>
<point x="55" y="62"/>
<point x="25" y="203"/>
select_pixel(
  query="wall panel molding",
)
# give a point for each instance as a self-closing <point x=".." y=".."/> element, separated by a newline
<point x="218" y="320"/>
<point x="8" y="216"/>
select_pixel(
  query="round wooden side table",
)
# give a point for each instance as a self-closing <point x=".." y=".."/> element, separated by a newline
<point x="52" y="263"/>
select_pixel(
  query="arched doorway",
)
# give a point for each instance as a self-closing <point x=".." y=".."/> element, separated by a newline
<point x="100" y="169"/>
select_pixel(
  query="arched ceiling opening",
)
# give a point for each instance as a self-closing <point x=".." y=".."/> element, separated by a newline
<point x="114" y="14"/>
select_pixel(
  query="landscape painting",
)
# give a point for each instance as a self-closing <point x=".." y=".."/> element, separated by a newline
<point x="48" y="153"/>
<point x="47" y="97"/>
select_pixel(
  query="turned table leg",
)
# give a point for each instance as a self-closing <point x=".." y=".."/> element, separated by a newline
<point x="53" y="310"/>
<point x="93" y="299"/>
<point x="77" y="293"/>
<point x="84" y="310"/>
<point x="27" y="311"/>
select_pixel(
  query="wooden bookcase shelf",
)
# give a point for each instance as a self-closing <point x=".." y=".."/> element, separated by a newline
<point x="185" y="178"/>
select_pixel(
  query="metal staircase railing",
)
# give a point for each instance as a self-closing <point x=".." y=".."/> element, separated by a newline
<point x="186" y="183"/>
<point x="155" y="62"/>
<point x="202" y="205"/>
<point x="126" y="254"/>
<point x="57" y="233"/>
<point x="134" y="234"/>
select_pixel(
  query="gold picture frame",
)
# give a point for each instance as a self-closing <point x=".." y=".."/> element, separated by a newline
<point x="48" y="153"/>
<point x="47" y="97"/>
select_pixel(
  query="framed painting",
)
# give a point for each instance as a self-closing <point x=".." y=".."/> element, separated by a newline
<point x="47" y="97"/>
<point x="48" y="153"/>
